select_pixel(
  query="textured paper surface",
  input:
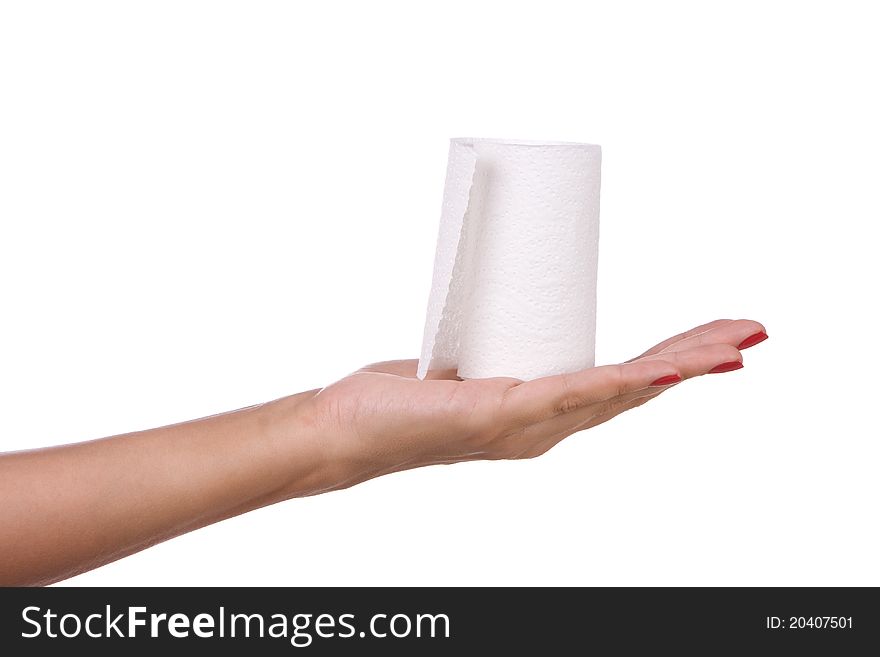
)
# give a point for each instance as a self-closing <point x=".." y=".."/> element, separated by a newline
<point x="514" y="287"/>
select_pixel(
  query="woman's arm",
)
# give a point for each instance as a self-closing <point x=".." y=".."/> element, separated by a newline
<point x="71" y="508"/>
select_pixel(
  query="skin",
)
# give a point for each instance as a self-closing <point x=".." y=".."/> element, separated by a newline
<point x="71" y="508"/>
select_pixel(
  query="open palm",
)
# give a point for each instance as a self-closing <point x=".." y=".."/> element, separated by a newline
<point x="382" y="418"/>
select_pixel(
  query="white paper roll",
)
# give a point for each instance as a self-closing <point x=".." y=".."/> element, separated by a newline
<point x="514" y="289"/>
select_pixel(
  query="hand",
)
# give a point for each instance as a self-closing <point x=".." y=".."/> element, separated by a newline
<point x="381" y="418"/>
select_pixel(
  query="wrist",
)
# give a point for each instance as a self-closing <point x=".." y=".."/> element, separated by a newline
<point x="297" y="446"/>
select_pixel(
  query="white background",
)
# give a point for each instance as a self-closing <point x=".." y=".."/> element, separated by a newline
<point x="206" y="205"/>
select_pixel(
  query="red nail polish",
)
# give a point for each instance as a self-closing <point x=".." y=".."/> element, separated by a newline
<point x="752" y="340"/>
<point x="667" y="380"/>
<point x="726" y="367"/>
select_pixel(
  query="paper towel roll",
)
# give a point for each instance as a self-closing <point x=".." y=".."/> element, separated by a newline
<point x="514" y="289"/>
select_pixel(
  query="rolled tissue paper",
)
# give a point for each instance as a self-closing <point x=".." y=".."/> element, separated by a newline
<point x="514" y="288"/>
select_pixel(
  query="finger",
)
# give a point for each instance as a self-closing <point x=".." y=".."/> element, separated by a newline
<point x="539" y="438"/>
<point x="689" y="364"/>
<point x="616" y="408"/>
<point x="697" y="330"/>
<point x="700" y="360"/>
<point x="741" y="333"/>
<point x="541" y="399"/>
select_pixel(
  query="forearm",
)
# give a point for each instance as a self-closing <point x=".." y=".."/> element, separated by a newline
<point x="71" y="508"/>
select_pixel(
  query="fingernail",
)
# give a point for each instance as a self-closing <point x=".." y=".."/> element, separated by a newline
<point x="726" y="367"/>
<point x="752" y="340"/>
<point x="667" y="380"/>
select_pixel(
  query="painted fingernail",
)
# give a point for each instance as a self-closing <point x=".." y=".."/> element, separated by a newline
<point x="726" y="367"/>
<point x="667" y="380"/>
<point x="752" y="340"/>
